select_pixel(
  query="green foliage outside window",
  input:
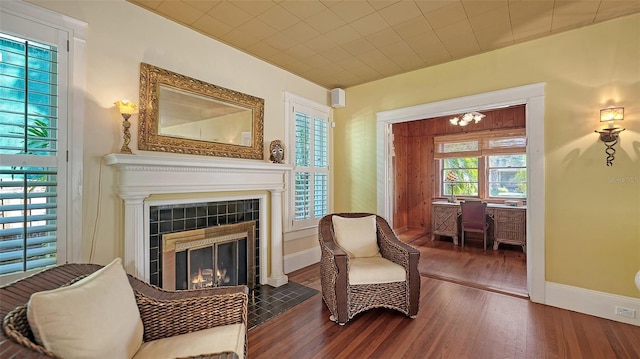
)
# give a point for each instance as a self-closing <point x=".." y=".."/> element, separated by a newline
<point x="466" y="172"/>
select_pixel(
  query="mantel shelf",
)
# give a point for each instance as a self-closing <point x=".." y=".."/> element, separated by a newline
<point x="154" y="161"/>
<point x="143" y="175"/>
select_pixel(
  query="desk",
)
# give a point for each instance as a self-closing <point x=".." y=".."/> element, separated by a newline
<point x="509" y="223"/>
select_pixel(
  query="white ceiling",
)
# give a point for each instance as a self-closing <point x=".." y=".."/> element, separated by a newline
<point x="343" y="43"/>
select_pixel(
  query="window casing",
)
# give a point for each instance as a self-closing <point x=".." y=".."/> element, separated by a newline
<point x="490" y="165"/>
<point x="39" y="160"/>
<point x="309" y="185"/>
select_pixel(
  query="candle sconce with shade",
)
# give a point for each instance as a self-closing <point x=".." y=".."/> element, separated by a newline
<point x="611" y="133"/>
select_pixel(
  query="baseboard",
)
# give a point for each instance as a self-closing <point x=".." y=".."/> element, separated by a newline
<point x="591" y="302"/>
<point x="298" y="260"/>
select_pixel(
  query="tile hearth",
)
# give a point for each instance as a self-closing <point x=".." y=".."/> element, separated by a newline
<point x="266" y="302"/>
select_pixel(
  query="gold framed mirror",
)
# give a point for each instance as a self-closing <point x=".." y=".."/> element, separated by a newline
<point x="180" y="114"/>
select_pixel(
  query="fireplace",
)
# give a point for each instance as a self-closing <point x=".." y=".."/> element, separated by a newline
<point x="210" y="257"/>
<point x="143" y="176"/>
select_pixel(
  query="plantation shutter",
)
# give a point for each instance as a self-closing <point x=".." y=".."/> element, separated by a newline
<point x="29" y="152"/>
<point x="311" y="172"/>
<point x="302" y="200"/>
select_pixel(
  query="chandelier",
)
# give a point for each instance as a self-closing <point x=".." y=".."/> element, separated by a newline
<point x="467" y="118"/>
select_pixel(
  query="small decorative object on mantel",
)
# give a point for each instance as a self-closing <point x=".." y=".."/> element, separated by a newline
<point x="276" y="151"/>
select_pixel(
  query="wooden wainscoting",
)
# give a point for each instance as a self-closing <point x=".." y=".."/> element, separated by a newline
<point x="414" y="165"/>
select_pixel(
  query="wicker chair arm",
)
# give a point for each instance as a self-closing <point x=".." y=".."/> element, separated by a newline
<point x="334" y="249"/>
<point x="15" y="325"/>
<point x="393" y="248"/>
<point x="168" y="313"/>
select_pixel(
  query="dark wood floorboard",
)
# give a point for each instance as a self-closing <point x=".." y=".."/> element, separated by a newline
<point x="454" y="321"/>
<point x="503" y="270"/>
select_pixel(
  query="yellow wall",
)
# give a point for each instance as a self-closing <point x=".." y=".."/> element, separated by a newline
<point x="592" y="212"/>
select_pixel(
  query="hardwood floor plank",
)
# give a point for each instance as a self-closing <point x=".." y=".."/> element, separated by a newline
<point x="504" y="270"/>
<point x="454" y="321"/>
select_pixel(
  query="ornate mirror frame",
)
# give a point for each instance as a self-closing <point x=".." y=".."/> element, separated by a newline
<point x="149" y="139"/>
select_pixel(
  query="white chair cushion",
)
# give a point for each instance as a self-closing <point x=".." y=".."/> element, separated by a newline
<point x="375" y="270"/>
<point x="357" y="236"/>
<point x="96" y="317"/>
<point x="215" y="340"/>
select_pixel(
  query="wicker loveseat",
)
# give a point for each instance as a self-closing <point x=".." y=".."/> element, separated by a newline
<point x="346" y="294"/>
<point x="163" y="313"/>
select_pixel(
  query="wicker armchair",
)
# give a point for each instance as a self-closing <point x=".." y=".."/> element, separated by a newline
<point x="164" y="313"/>
<point x="345" y="300"/>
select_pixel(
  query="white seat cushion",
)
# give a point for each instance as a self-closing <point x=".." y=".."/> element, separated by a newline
<point x="357" y="236"/>
<point x="373" y="270"/>
<point x="214" y="340"/>
<point x="96" y="317"/>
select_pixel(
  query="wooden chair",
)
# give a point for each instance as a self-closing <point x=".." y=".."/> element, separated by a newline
<point x="474" y="219"/>
<point x="345" y="299"/>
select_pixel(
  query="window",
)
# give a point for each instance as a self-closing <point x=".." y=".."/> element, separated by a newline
<point x="488" y="165"/>
<point x="28" y="135"/>
<point x="507" y="177"/>
<point x="310" y="177"/>
<point x="460" y="176"/>
<point x="34" y="127"/>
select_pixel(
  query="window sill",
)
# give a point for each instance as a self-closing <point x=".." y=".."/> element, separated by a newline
<point x="488" y="200"/>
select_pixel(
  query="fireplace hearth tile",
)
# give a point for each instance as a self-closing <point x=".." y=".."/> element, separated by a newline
<point x="266" y="302"/>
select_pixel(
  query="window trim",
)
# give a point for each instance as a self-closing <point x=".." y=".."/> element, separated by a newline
<point x="292" y="231"/>
<point x="75" y="75"/>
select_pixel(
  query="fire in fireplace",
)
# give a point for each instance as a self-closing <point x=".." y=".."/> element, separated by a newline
<point x="210" y="257"/>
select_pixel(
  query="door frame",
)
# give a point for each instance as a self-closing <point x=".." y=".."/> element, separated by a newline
<point x="532" y="96"/>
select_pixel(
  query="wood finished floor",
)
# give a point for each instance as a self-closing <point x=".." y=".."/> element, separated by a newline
<point x="503" y="270"/>
<point x="454" y="321"/>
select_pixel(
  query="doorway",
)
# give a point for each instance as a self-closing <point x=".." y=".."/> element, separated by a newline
<point x="530" y="95"/>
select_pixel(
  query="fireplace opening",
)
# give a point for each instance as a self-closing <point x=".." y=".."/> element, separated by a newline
<point x="217" y="265"/>
<point x="209" y="257"/>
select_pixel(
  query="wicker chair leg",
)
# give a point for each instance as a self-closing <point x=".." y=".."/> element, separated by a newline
<point x="333" y="319"/>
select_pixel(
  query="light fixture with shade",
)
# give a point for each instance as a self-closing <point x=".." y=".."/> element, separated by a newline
<point x="610" y="134"/>
<point x="126" y="108"/>
<point x="451" y="178"/>
<point x="467" y="118"/>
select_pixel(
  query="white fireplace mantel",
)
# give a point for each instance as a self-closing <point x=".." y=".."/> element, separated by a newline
<point x="142" y="175"/>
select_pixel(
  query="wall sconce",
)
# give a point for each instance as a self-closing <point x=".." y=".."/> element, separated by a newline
<point x="126" y="108"/>
<point x="467" y="118"/>
<point x="610" y="134"/>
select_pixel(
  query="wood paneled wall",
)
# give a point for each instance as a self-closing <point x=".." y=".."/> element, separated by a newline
<point x="414" y="166"/>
